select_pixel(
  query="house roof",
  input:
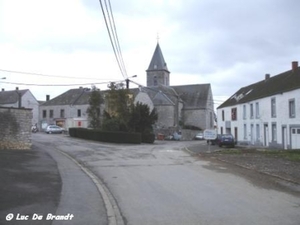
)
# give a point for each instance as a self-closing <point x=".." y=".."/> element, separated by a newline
<point x="79" y="96"/>
<point x="11" y="97"/>
<point x="157" y="61"/>
<point x="283" y="82"/>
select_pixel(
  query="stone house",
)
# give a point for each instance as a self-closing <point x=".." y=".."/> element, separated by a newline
<point x="265" y="113"/>
<point x="21" y="99"/>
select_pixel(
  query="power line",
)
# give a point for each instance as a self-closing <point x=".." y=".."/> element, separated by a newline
<point x="47" y="75"/>
<point x="57" y="85"/>
<point x="111" y="29"/>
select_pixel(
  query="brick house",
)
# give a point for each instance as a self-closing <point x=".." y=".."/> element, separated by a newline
<point x="265" y="113"/>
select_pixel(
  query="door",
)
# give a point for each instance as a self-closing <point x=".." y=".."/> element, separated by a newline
<point x="295" y="137"/>
<point x="284" y="137"/>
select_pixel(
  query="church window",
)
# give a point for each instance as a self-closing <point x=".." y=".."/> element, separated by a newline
<point x="155" y="81"/>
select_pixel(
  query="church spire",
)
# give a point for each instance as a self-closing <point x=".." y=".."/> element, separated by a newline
<point x="158" y="61"/>
<point x="157" y="72"/>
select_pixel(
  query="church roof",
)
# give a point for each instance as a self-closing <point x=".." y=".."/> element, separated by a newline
<point x="158" y="61"/>
<point x="194" y="96"/>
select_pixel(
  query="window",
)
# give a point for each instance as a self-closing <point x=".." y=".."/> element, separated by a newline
<point x="44" y="113"/>
<point x="292" y="108"/>
<point x="223" y="115"/>
<point x="62" y="113"/>
<point x="234" y="114"/>
<point x="51" y="113"/>
<point x="274" y="132"/>
<point x="251" y="111"/>
<point x="273" y="107"/>
<point x="245" y="131"/>
<point x="244" y="112"/>
<point x="78" y="112"/>
<point x="256" y="110"/>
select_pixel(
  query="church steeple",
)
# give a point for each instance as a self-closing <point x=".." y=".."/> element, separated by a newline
<point x="157" y="72"/>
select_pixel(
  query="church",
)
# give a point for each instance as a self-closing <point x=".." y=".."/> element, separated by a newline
<point x="178" y="107"/>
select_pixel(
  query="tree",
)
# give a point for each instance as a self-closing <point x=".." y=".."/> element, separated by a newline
<point x="141" y="119"/>
<point x="93" y="110"/>
<point x="118" y="102"/>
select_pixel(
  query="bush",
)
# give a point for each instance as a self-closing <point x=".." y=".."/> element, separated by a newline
<point x="148" y="138"/>
<point x="106" y="136"/>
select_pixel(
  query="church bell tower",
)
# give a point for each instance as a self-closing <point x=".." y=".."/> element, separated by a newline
<point x="157" y="72"/>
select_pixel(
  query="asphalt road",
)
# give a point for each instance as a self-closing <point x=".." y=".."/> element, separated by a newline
<point x="29" y="184"/>
<point x="44" y="186"/>
<point x="162" y="184"/>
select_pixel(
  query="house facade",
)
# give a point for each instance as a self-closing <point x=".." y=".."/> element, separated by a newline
<point x="66" y="110"/>
<point x="21" y="99"/>
<point x="266" y="113"/>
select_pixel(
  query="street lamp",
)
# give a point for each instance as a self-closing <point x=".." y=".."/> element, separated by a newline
<point x="127" y="81"/>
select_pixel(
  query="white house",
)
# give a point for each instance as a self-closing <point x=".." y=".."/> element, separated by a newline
<point x="266" y="113"/>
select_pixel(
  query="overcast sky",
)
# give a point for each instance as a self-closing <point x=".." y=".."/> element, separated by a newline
<point x="227" y="43"/>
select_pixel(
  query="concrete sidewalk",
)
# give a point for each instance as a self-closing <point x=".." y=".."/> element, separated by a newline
<point x="30" y="184"/>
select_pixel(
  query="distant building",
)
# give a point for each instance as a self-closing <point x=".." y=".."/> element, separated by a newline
<point x="183" y="105"/>
<point x="66" y="110"/>
<point x="265" y="113"/>
<point x="20" y="99"/>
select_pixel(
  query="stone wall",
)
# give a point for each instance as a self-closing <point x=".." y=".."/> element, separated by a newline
<point x="15" y="132"/>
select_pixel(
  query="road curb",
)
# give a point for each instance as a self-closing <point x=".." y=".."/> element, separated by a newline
<point x="113" y="212"/>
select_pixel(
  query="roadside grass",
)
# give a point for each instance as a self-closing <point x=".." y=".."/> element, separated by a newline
<point x="293" y="155"/>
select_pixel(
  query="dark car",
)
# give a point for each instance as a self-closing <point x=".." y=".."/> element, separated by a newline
<point x="225" y="139"/>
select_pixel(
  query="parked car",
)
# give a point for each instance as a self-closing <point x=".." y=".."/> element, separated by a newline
<point x="199" y="136"/>
<point x="176" y="136"/>
<point x="54" y="129"/>
<point x="225" y="139"/>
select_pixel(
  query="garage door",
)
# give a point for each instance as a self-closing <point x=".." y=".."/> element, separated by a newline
<point x="295" y="138"/>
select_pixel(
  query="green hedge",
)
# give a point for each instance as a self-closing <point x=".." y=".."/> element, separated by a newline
<point x="148" y="138"/>
<point x="105" y="136"/>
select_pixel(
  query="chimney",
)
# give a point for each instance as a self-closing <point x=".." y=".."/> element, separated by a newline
<point x="267" y="76"/>
<point x="47" y="98"/>
<point x="17" y="88"/>
<point x="294" y="66"/>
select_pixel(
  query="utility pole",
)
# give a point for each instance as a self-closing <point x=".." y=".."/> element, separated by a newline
<point x="127" y="81"/>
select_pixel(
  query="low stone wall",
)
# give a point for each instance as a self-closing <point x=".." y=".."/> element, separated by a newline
<point x="15" y="132"/>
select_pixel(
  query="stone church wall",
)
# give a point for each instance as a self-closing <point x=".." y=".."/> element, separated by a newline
<point x="165" y="116"/>
<point x="195" y="117"/>
<point x="15" y="132"/>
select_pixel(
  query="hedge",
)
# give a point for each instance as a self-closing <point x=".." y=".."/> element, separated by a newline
<point x="105" y="136"/>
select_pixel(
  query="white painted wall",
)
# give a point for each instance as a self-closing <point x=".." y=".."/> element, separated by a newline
<point x="255" y="136"/>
